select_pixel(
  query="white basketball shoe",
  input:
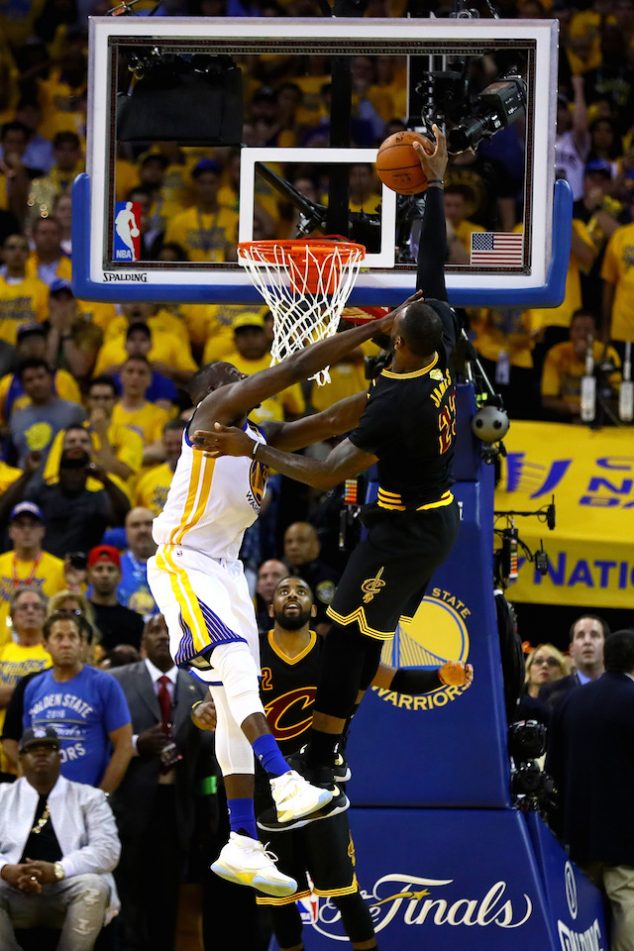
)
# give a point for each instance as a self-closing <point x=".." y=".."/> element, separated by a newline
<point x="245" y="861"/>
<point x="295" y="797"/>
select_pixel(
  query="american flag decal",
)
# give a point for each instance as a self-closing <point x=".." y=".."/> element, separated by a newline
<point x="496" y="248"/>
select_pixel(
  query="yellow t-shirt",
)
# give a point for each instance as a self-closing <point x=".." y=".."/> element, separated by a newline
<point x="503" y="330"/>
<point x="563" y="371"/>
<point x="162" y="322"/>
<point x="64" y="384"/>
<point x="166" y="348"/>
<point x="216" y="328"/>
<point x="8" y="475"/>
<point x="63" y="271"/>
<point x="289" y="402"/>
<point x="539" y="317"/>
<point x="47" y="576"/>
<point x="16" y="662"/>
<point x="464" y="230"/>
<point x="152" y="488"/>
<point x="618" y="269"/>
<point x="21" y="302"/>
<point x="148" y="421"/>
<point x="204" y="236"/>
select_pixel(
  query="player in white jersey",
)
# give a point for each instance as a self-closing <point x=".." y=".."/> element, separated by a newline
<point x="199" y="585"/>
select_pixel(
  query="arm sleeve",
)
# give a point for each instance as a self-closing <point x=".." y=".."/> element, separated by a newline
<point x="415" y="680"/>
<point x="432" y="248"/>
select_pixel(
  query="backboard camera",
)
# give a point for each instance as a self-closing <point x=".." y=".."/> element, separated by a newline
<point x="499" y="105"/>
<point x="190" y="99"/>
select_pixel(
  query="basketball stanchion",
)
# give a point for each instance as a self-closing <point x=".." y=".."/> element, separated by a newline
<point x="305" y="284"/>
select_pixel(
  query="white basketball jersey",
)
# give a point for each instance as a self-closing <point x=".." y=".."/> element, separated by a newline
<point x="211" y="502"/>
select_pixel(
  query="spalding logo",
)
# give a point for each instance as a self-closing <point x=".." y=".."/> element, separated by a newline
<point x="437" y="633"/>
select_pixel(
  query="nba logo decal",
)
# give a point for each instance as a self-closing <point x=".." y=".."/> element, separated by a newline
<point x="127" y="231"/>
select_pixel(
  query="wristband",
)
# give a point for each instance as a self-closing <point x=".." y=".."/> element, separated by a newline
<point x="255" y="449"/>
<point x="435" y="181"/>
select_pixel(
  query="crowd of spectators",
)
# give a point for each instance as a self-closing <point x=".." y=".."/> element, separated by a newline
<point x="93" y="397"/>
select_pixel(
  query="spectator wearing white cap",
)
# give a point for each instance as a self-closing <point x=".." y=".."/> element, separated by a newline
<point x="27" y="565"/>
<point x="58" y="847"/>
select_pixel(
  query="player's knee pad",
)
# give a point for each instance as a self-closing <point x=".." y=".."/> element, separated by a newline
<point x="355" y="915"/>
<point x="233" y="751"/>
<point x="239" y="674"/>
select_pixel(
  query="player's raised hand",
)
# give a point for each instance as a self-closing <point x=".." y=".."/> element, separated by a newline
<point x="434" y="163"/>
<point x="456" y="674"/>
<point x="384" y="324"/>
<point x="223" y="441"/>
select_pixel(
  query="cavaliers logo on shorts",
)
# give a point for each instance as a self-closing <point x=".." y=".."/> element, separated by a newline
<point x="258" y="474"/>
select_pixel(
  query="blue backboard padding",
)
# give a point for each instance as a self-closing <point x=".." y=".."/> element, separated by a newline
<point x="551" y="294"/>
<point x="571" y="897"/>
<point x="444" y="880"/>
<point x="453" y="751"/>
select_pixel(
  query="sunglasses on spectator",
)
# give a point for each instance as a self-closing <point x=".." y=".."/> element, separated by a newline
<point x="549" y="661"/>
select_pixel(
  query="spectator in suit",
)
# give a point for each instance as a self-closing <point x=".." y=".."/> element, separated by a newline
<point x="58" y="846"/>
<point x="270" y="573"/>
<point x="590" y="757"/>
<point x="587" y="637"/>
<point x="158" y="801"/>
<point x="302" y="549"/>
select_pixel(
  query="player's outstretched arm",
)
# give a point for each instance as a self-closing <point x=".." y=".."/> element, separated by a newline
<point x="232" y="402"/>
<point x="343" y="462"/>
<point x="432" y="248"/>
<point x="338" y="419"/>
<point x="416" y="680"/>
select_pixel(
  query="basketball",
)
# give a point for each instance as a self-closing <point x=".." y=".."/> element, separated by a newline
<point x="398" y="165"/>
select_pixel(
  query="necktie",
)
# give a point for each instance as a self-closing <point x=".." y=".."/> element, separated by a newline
<point x="165" y="701"/>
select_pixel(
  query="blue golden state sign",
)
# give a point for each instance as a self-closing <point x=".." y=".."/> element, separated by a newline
<point x="591" y="475"/>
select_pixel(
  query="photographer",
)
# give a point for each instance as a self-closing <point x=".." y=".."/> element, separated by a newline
<point x="565" y="365"/>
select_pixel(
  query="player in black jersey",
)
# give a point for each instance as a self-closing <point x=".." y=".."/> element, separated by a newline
<point x="407" y="429"/>
<point x="292" y="656"/>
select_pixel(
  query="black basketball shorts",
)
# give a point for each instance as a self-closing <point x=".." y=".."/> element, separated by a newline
<point x="388" y="572"/>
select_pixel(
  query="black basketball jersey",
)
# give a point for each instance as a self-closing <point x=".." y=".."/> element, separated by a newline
<point x="409" y="423"/>
<point x="288" y="688"/>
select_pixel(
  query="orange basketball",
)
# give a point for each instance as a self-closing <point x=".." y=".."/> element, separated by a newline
<point x="398" y="165"/>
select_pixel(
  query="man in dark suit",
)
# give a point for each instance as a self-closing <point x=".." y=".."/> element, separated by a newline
<point x="591" y="759"/>
<point x="159" y="801"/>
<point x="587" y="636"/>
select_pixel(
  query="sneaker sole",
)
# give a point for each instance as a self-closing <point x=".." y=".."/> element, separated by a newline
<point x="325" y="795"/>
<point x="281" y="890"/>
<point x="277" y="826"/>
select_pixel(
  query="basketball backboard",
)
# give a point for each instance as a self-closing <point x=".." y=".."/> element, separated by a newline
<point x="504" y="266"/>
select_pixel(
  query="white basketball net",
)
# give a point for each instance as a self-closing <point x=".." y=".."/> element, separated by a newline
<point x="306" y="285"/>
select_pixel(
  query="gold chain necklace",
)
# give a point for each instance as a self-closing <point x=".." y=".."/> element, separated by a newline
<point x="41" y="822"/>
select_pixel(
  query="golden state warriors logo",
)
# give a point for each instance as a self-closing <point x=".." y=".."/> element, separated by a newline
<point x="258" y="473"/>
<point x="437" y="633"/>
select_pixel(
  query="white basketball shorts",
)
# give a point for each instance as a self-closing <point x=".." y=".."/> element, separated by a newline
<point x="205" y="602"/>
